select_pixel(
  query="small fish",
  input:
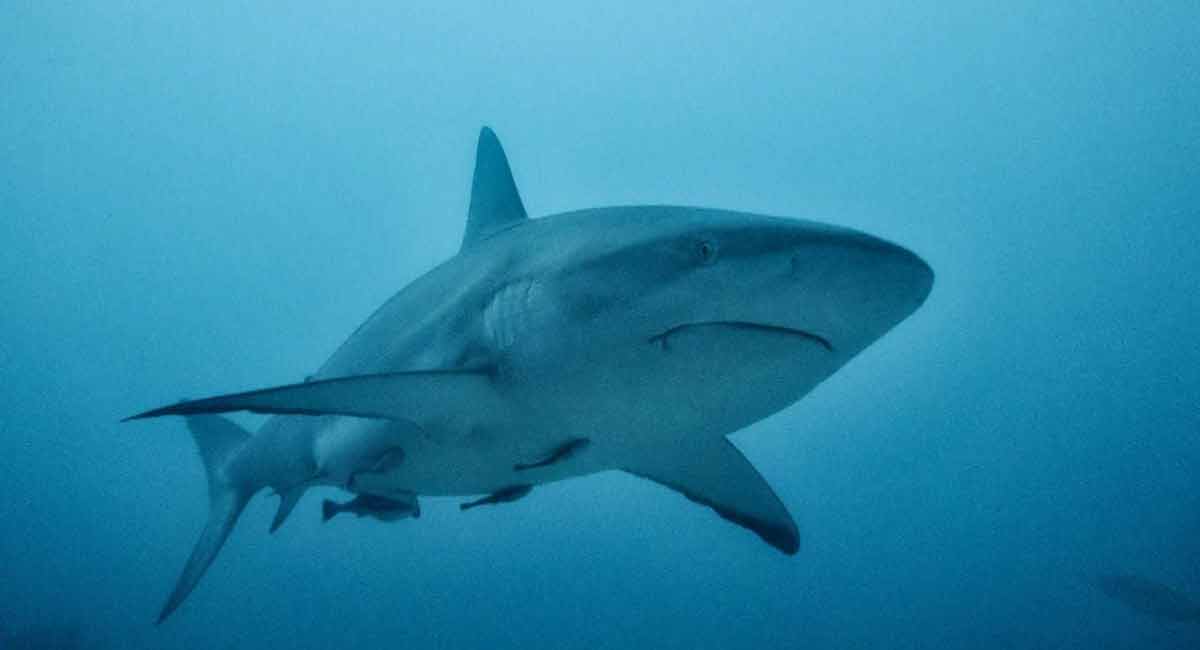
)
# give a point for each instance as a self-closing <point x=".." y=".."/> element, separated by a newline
<point x="376" y="507"/>
<point x="505" y="495"/>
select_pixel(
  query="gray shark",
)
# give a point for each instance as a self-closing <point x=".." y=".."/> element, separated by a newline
<point x="1149" y="597"/>
<point x="43" y="637"/>
<point x="628" y="338"/>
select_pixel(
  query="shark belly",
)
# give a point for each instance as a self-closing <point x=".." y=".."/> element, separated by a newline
<point x="478" y="468"/>
<point x="622" y="400"/>
<point x="700" y="382"/>
<point x="483" y="457"/>
<point x="621" y="403"/>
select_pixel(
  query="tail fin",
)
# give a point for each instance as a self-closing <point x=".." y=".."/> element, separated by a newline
<point x="328" y="510"/>
<point x="218" y="440"/>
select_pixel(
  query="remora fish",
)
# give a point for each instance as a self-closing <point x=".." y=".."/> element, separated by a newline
<point x="376" y="507"/>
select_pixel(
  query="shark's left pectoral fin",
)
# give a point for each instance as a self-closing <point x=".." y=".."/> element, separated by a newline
<point x="714" y="473"/>
<point x="398" y="396"/>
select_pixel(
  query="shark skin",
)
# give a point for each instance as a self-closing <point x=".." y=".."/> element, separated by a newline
<point x="651" y="332"/>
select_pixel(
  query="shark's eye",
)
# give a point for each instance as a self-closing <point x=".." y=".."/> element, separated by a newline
<point x="706" y="251"/>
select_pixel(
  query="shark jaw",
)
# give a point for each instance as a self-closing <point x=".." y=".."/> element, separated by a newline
<point x="663" y="339"/>
<point x="633" y="338"/>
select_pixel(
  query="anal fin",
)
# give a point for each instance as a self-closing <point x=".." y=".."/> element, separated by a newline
<point x="287" y="502"/>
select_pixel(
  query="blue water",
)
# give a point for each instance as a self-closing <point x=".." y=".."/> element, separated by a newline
<point x="199" y="198"/>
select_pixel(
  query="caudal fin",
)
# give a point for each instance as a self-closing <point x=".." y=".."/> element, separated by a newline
<point x="218" y="440"/>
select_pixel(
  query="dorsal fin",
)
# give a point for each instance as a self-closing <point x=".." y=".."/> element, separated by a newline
<point x="495" y="203"/>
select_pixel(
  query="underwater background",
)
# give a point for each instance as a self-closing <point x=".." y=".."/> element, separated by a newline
<point x="204" y="197"/>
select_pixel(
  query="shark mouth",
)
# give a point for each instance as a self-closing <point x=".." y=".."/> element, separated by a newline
<point x="663" y="339"/>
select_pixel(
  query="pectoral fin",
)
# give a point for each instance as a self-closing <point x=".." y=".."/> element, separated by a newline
<point x="397" y="396"/>
<point x="714" y="473"/>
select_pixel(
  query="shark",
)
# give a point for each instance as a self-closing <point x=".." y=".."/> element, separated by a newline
<point x="1149" y="597"/>
<point x="633" y="338"/>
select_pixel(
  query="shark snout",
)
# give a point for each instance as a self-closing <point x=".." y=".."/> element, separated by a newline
<point x="912" y="274"/>
<point x="892" y="279"/>
<point x="853" y="287"/>
<point x="896" y="270"/>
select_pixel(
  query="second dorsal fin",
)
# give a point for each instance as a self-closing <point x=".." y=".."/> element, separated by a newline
<point x="495" y="203"/>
